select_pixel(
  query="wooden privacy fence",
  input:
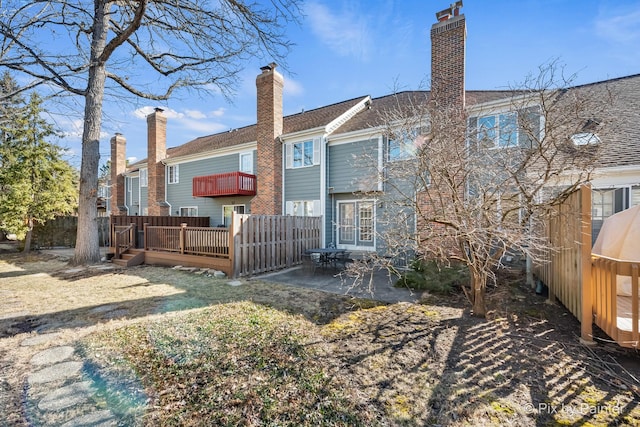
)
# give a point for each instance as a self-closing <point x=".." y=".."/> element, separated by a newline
<point x="566" y="266"/>
<point x="265" y="243"/>
<point x="253" y="244"/>
<point x="588" y="284"/>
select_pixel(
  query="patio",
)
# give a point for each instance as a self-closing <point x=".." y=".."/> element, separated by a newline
<point x="329" y="280"/>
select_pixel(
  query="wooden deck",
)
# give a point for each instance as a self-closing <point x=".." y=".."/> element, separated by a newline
<point x="253" y="244"/>
<point x="625" y="314"/>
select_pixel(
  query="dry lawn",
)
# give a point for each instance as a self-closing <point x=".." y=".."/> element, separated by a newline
<point x="167" y="347"/>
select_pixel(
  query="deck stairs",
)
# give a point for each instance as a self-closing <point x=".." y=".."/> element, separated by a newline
<point x="129" y="258"/>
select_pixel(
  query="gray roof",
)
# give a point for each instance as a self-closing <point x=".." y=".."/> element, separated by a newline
<point x="621" y="143"/>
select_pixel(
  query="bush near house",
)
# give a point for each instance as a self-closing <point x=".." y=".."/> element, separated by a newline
<point x="432" y="276"/>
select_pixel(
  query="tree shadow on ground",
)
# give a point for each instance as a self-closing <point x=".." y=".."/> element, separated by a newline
<point x="152" y="291"/>
<point x="438" y="366"/>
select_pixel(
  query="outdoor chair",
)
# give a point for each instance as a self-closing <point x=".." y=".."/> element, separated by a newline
<point x="341" y="260"/>
<point x="311" y="262"/>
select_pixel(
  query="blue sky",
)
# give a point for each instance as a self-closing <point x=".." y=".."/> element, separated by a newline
<point x="350" y="48"/>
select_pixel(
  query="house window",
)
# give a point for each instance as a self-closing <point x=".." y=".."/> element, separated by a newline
<point x="303" y="154"/>
<point x="189" y="211"/>
<point x="173" y="174"/>
<point x="303" y="208"/>
<point x="144" y="181"/>
<point x="246" y="162"/>
<point x="228" y="210"/>
<point x="402" y="147"/>
<point x="499" y="131"/>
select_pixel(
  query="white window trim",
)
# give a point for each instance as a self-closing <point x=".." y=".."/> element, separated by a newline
<point x="246" y="153"/>
<point x="496" y="115"/>
<point x="188" y="207"/>
<point x="176" y="174"/>
<point x="407" y="141"/>
<point x="316" y="209"/>
<point x="289" y="153"/>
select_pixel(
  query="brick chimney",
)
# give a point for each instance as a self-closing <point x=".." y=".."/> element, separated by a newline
<point x="156" y="152"/>
<point x="268" y="200"/>
<point x="118" y="168"/>
<point x="448" y="37"/>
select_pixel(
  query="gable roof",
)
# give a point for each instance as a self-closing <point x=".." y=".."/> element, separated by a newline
<point x="622" y="143"/>
<point x="403" y="102"/>
<point x="310" y="119"/>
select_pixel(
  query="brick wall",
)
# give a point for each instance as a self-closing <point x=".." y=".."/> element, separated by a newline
<point x="156" y="151"/>
<point x="447" y="61"/>
<point x="268" y="200"/>
<point x="118" y="167"/>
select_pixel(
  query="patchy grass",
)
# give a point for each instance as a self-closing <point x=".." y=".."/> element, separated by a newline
<point x="237" y="364"/>
<point x="166" y="347"/>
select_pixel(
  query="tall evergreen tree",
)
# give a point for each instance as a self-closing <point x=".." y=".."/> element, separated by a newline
<point x="36" y="183"/>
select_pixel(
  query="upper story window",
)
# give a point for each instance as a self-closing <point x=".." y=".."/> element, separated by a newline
<point x="246" y="162"/>
<point x="499" y="131"/>
<point x="303" y="154"/>
<point x="173" y="174"/>
<point x="402" y="146"/>
<point x="144" y="181"/>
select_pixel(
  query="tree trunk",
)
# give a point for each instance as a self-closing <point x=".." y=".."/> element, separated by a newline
<point x="87" y="243"/>
<point x="478" y="289"/>
<point x="27" y="239"/>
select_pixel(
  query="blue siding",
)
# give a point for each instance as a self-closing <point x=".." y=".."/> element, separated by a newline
<point x="180" y="195"/>
<point x="352" y="166"/>
<point x="302" y="183"/>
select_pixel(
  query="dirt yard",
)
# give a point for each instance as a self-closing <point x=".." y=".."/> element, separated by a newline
<point x="400" y="364"/>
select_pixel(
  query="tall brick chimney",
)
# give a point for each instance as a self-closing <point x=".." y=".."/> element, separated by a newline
<point x="156" y="152"/>
<point x="448" y="38"/>
<point x="268" y="200"/>
<point x="118" y="168"/>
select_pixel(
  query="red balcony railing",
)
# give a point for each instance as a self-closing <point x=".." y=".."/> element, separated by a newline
<point x="224" y="184"/>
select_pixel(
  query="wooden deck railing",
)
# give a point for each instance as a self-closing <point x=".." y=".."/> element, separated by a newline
<point x="207" y="241"/>
<point x="253" y="244"/>
<point x="616" y="309"/>
<point x="224" y="184"/>
<point x="124" y="239"/>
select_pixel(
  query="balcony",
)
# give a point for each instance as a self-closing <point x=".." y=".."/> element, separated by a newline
<point x="224" y="184"/>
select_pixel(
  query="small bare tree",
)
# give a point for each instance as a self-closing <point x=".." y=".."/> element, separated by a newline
<point x="478" y="182"/>
<point x="143" y="48"/>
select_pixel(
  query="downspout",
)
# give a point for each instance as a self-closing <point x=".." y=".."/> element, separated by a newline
<point x="283" y="154"/>
<point x="324" y="165"/>
<point x="166" y="185"/>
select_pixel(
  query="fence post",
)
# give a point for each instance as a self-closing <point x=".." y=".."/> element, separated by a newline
<point x="586" y="323"/>
<point x="183" y="240"/>
<point x="145" y="243"/>
<point x="234" y="253"/>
